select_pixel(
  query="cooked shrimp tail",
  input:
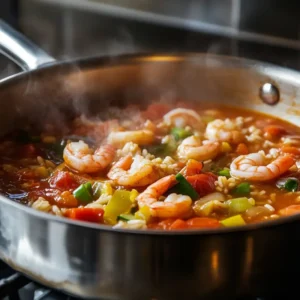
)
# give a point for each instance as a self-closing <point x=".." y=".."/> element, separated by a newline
<point x="133" y="171"/>
<point x="181" y="117"/>
<point x="224" y="131"/>
<point x="78" y="156"/>
<point x="173" y="206"/>
<point x="255" y="166"/>
<point x="140" y="137"/>
<point x="194" y="148"/>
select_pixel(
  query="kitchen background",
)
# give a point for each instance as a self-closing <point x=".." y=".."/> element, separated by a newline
<point x="267" y="30"/>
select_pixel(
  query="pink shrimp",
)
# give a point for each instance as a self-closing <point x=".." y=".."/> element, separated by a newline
<point x="172" y="207"/>
<point x="193" y="147"/>
<point x="78" y="156"/>
<point x="255" y="166"/>
<point x="133" y="171"/>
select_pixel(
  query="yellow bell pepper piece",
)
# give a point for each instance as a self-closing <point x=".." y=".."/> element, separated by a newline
<point x="106" y="189"/>
<point x="133" y="194"/>
<point x="120" y="203"/>
<point x="233" y="221"/>
<point x="143" y="214"/>
<point x="225" y="147"/>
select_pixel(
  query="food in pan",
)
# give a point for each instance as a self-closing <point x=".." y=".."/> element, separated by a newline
<point x="164" y="167"/>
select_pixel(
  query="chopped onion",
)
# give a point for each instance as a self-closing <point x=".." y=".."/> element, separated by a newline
<point x="210" y="207"/>
<point x="210" y="197"/>
<point x="210" y="203"/>
<point x="257" y="211"/>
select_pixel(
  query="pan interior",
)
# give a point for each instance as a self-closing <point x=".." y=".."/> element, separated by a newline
<point x="54" y="94"/>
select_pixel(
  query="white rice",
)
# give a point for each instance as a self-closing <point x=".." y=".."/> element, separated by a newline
<point x="56" y="210"/>
<point x="224" y="184"/>
<point x="129" y="148"/>
<point x="99" y="203"/>
<point x="269" y="207"/>
<point x="41" y="204"/>
<point x="132" y="224"/>
<point x="273" y="153"/>
<point x="254" y="134"/>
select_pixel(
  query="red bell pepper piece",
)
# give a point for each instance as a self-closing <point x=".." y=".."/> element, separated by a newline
<point x="275" y="130"/>
<point x="193" y="223"/>
<point x="88" y="214"/>
<point x="290" y="210"/>
<point x="178" y="224"/>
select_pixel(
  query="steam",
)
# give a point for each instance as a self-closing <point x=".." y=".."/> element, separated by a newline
<point x="101" y="95"/>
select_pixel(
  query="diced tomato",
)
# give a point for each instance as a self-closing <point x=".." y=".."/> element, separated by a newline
<point x="35" y="194"/>
<point x="290" y="210"/>
<point x="178" y="224"/>
<point x="63" y="181"/>
<point x="31" y="184"/>
<point x="275" y="130"/>
<point x="54" y="196"/>
<point x="26" y="174"/>
<point x="98" y="131"/>
<point x="262" y="123"/>
<point x="174" y="224"/>
<point x="242" y="149"/>
<point x="88" y="214"/>
<point x="28" y="150"/>
<point x="203" y="183"/>
<point x="202" y="223"/>
<point x="193" y="167"/>
<point x="164" y="224"/>
<point x="291" y="150"/>
<point x="169" y="224"/>
<point x="185" y="104"/>
<point x="156" y="111"/>
<point x="66" y="199"/>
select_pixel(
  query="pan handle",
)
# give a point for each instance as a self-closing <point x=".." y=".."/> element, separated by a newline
<point x="21" y="50"/>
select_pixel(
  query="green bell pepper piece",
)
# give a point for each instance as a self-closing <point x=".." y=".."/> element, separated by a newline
<point x="238" y="205"/>
<point x="180" y="133"/>
<point x="183" y="187"/>
<point x="84" y="193"/>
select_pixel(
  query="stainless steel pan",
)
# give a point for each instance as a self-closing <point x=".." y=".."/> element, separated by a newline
<point x="95" y="261"/>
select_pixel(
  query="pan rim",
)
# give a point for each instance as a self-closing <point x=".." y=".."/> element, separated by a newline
<point x="125" y="59"/>
<point x="163" y="57"/>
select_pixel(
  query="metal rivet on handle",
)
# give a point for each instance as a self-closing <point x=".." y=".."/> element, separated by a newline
<point x="269" y="94"/>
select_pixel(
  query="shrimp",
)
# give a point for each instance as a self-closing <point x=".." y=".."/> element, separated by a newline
<point x="78" y="156"/>
<point x="255" y="166"/>
<point x="193" y="147"/>
<point x="133" y="171"/>
<point x="141" y="137"/>
<point x="172" y="207"/>
<point x="181" y="117"/>
<point x="224" y="131"/>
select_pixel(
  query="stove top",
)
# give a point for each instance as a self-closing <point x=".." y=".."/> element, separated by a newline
<point x="15" y="286"/>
